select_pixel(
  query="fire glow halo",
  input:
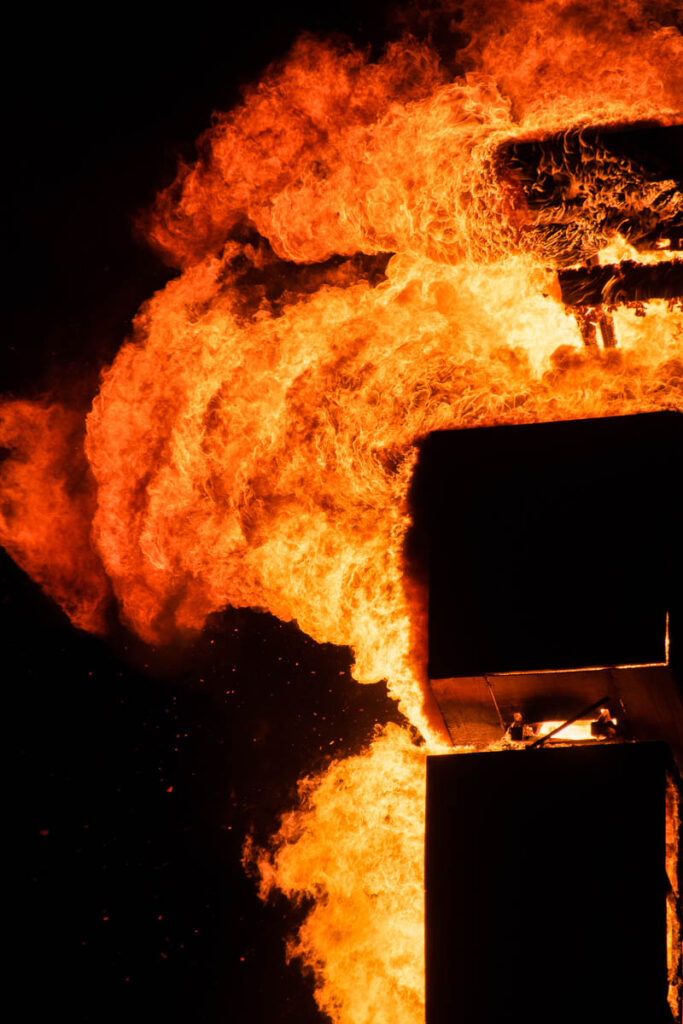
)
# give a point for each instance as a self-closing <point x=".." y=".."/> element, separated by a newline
<point x="351" y="277"/>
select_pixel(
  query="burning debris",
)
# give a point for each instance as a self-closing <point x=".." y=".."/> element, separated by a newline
<point x="582" y="188"/>
<point x="252" y="445"/>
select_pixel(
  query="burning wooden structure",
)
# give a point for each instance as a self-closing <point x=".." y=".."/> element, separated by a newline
<point x="554" y="559"/>
<point x="580" y="188"/>
<point x="576" y="190"/>
<point x="354" y="274"/>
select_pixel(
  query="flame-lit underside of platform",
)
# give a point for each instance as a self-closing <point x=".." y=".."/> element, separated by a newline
<point x="644" y="699"/>
<point x="545" y="886"/>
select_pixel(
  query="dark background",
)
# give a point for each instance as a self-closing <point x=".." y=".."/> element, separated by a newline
<point x="134" y="775"/>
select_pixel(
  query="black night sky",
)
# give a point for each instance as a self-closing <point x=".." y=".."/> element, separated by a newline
<point x="134" y="775"/>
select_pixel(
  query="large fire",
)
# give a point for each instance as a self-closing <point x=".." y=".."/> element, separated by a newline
<point x="353" y="275"/>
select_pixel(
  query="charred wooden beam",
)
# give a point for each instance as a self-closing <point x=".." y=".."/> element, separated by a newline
<point x="607" y="333"/>
<point x="621" y="283"/>
<point x="576" y="190"/>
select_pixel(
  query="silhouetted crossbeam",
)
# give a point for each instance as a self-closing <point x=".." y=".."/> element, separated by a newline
<point x="576" y="190"/>
<point x="621" y="282"/>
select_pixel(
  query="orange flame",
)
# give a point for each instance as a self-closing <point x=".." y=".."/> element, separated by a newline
<point x="367" y="810"/>
<point x="252" y="445"/>
<point x="47" y="507"/>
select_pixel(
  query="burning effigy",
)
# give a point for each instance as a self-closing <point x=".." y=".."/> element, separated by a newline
<point x="367" y="251"/>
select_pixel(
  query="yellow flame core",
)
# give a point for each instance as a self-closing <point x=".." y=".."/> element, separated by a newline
<point x="252" y="445"/>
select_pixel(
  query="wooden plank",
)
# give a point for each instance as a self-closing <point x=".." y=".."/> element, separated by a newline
<point x="621" y="283"/>
<point x="575" y="190"/>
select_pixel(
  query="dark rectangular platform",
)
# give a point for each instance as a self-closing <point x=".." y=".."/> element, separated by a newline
<point x="550" y="546"/>
<point x="546" y="886"/>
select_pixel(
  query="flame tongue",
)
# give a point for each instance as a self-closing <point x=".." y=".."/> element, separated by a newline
<point x="252" y="445"/>
<point x="47" y="507"/>
<point x="367" y="810"/>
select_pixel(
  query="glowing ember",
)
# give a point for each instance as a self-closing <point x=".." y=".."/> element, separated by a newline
<point x="252" y="444"/>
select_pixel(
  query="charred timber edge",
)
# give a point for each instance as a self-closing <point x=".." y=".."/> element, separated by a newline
<point x="621" y="283"/>
<point x="574" y="718"/>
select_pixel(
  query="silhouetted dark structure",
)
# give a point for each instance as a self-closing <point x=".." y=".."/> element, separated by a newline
<point x="552" y="555"/>
<point x="552" y="546"/>
<point x="545" y="886"/>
